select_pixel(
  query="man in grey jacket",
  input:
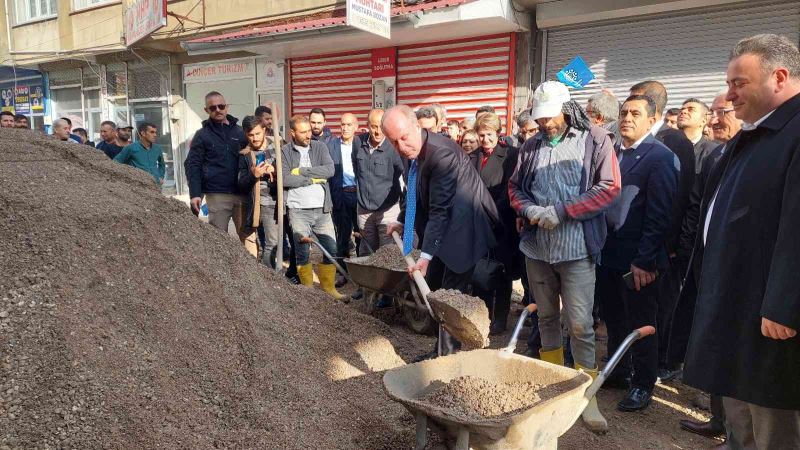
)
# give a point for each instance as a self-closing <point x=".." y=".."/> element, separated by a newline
<point x="307" y="165"/>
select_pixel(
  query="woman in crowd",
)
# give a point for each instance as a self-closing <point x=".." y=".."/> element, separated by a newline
<point x="495" y="160"/>
<point x="469" y="141"/>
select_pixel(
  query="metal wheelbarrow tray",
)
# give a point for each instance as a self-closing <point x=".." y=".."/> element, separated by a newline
<point x="379" y="279"/>
<point x="537" y="427"/>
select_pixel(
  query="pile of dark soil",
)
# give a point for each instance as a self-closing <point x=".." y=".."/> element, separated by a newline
<point x="125" y="322"/>
<point x="476" y="398"/>
<point x="390" y="257"/>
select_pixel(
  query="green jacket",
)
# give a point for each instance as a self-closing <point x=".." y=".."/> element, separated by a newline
<point x="151" y="161"/>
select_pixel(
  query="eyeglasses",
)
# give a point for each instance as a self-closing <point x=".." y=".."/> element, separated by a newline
<point x="214" y="108"/>
<point x="720" y="113"/>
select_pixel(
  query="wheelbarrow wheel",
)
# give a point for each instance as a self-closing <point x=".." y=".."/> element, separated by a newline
<point x="420" y="321"/>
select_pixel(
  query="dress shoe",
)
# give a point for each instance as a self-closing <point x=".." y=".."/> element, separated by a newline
<point x="358" y="294"/>
<point x="667" y="375"/>
<point x="709" y="429"/>
<point x="426" y="356"/>
<point x="636" y="400"/>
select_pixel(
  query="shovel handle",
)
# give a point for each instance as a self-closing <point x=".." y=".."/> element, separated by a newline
<point x="616" y="357"/>
<point x="512" y="343"/>
<point x="417" y="275"/>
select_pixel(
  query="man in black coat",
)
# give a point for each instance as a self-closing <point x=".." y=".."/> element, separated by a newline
<point x="212" y="166"/>
<point x="744" y="343"/>
<point x="692" y="120"/>
<point x="446" y="203"/>
<point x="725" y="125"/>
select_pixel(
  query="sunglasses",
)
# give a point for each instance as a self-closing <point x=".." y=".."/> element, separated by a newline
<point x="214" y="108"/>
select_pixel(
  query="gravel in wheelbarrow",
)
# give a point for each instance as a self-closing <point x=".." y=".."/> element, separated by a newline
<point x="389" y="257"/>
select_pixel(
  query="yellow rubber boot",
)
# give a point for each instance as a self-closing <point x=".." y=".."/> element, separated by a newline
<point x="327" y="280"/>
<point x="592" y="417"/>
<point x="555" y="356"/>
<point x="306" y="274"/>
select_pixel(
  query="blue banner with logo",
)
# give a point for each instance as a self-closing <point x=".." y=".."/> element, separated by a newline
<point x="576" y="74"/>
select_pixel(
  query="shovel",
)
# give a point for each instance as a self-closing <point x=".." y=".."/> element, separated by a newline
<point x="310" y="240"/>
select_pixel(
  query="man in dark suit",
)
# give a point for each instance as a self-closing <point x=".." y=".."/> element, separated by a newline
<point x="670" y="279"/>
<point x="638" y="222"/>
<point x="744" y="345"/>
<point x="692" y="120"/>
<point x="343" y="187"/>
<point x="446" y="203"/>
<point x="725" y="125"/>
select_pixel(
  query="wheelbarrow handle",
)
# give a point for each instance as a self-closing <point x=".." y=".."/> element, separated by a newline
<point x="616" y="357"/>
<point x="512" y="343"/>
<point x="310" y="240"/>
<point x="424" y="289"/>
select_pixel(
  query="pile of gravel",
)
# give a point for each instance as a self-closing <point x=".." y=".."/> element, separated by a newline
<point x="390" y="257"/>
<point x="472" y="398"/>
<point x="464" y="316"/>
<point x="127" y="323"/>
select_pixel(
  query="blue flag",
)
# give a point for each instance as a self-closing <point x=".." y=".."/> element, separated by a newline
<point x="576" y="74"/>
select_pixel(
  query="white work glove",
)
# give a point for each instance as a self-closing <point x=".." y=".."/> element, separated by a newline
<point x="547" y="218"/>
<point x="531" y="212"/>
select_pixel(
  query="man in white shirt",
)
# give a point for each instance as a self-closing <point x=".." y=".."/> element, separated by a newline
<point x="345" y="214"/>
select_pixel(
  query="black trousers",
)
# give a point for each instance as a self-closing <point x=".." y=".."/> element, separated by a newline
<point x="669" y="289"/>
<point x="681" y="325"/>
<point x="440" y="277"/>
<point x="345" y="221"/>
<point x="625" y="310"/>
<point x="498" y="300"/>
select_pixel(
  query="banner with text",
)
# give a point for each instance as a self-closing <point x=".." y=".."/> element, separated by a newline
<point x="384" y="77"/>
<point x="373" y="16"/>
<point x="144" y="17"/>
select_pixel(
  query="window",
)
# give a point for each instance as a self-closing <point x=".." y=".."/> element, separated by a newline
<point x="83" y="4"/>
<point x="29" y="10"/>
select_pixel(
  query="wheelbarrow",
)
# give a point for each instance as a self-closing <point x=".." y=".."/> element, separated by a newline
<point x="406" y="298"/>
<point x="536" y="427"/>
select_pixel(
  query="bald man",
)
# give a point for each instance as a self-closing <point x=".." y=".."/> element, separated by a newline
<point x="378" y="168"/>
<point x="446" y="203"/>
<point x="343" y="187"/>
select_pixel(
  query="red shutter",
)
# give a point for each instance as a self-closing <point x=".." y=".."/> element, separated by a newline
<point x="338" y="83"/>
<point x="462" y="75"/>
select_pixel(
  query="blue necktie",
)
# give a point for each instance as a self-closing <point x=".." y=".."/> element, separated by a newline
<point x="411" y="208"/>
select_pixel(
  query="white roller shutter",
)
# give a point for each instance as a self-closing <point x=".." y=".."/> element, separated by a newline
<point x="687" y="51"/>
<point x="462" y="75"/>
<point x="338" y="83"/>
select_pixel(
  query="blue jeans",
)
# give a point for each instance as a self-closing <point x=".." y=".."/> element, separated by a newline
<point x="307" y="221"/>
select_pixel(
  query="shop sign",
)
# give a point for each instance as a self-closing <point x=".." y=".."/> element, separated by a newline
<point x="22" y="100"/>
<point x="373" y="16"/>
<point x="144" y="17"/>
<point x="199" y="73"/>
<point x="384" y="62"/>
<point x="270" y="75"/>
<point x="384" y="77"/>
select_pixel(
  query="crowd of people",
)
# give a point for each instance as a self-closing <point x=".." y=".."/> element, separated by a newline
<point x="618" y="213"/>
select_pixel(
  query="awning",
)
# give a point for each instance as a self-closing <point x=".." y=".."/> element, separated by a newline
<point x="309" y="35"/>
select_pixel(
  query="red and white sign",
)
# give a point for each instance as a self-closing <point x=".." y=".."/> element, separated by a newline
<point x="373" y="16"/>
<point x="384" y="62"/>
<point x="144" y="17"/>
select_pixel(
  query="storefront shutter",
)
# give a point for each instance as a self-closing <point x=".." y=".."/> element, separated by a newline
<point x="462" y="75"/>
<point x="338" y="83"/>
<point x="687" y="51"/>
